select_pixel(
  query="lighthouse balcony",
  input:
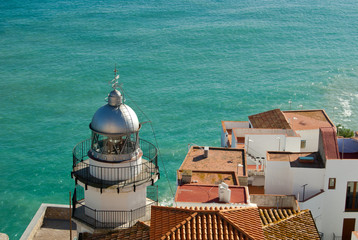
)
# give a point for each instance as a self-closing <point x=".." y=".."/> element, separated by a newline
<point x="109" y="219"/>
<point x="115" y="174"/>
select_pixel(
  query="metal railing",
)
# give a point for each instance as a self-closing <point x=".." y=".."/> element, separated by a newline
<point x="80" y="151"/>
<point x="99" y="176"/>
<point x="110" y="219"/>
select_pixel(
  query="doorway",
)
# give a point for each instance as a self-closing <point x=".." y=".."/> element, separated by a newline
<point x="348" y="228"/>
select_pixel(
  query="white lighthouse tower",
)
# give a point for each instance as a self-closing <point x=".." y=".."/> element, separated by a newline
<point x="114" y="170"/>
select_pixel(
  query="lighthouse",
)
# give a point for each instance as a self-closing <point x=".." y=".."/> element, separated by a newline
<point x="114" y="170"/>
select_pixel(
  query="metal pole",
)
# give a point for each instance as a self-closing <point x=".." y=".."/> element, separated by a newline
<point x="343" y="148"/>
<point x="70" y="219"/>
<point x="304" y="189"/>
<point x="279" y="143"/>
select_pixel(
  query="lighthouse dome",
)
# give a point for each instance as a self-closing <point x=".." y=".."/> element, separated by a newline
<point x="115" y="117"/>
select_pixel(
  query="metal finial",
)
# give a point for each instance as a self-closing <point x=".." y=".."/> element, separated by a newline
<point x="114" y="81"/>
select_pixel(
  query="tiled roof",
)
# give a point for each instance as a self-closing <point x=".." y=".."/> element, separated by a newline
<point x="164" y="219"/>
<point x="246" y="219"/>
<point x="330" y="145"/>
<point x="299" y="225"/>
<point x="273" y="119"/>
<point x="205" y="223"/>
<point x="139" y="231"/>
<point x="273" y="215"/>
<point x="247" y="223"/>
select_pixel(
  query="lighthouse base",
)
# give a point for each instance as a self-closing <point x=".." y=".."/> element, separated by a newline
<point x="125" y="219"/>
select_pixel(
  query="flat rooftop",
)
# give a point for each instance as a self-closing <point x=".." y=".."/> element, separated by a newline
<point x="208" y="194"/>
<point x="218" y="160"/>
<point x="308" y="119"/>
<point x="210" y="178"/>
<point x="51" y="221"/>
<point x="299" y="159"/>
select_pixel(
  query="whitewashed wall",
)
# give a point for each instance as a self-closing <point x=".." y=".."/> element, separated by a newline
<point x="258" y="145"/>
<point x="293" y="144"/>
<point x="278" y="178"/>
<point x="111" y="200"/>
<point x="313" y="177"/>
<point x="311" y="137"/>
<point x="335" y="200"/>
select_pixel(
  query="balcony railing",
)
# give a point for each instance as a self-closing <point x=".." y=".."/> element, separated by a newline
<point x="103" y="177"/>
<point x="100" y="219"/>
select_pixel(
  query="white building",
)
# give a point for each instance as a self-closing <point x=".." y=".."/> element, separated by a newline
<point x="302" y="156"/>
<point x="276" y="130"/>
<point x="114" y="171"/>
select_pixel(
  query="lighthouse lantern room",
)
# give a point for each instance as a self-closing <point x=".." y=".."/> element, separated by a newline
<point x="115" y="170"/>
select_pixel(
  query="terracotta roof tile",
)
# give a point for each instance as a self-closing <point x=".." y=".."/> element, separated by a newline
<point x="219" y="223"/>
<point x="139" y="231"/>
<point x="273" y="215"/>
<point x="206" y="223"/>
<point x="273" y="119"/>
<point x="246" y="219"/>
<point x="164" y="219"/>
<point x="296" y="225"/>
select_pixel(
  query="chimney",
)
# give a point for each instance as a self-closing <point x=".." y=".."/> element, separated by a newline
<point x="206" y="152"/>
<point x="224" y="193"/>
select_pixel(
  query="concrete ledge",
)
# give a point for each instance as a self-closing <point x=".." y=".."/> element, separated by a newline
<point x="52" y="211"/>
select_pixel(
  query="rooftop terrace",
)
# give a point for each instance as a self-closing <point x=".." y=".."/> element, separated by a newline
<point x="209" y="178"/>
<point x="298" y="159"/>
<point x="307" y="119"/>
<point x="208" y="194"/>
<point x="218" y="160"/>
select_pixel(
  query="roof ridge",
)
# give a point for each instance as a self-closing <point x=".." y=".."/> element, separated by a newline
<point x="294" y="214"/>
<point x="236" y="208"/>
<point x="211" y="209"/>
<point x="182" y="209"/>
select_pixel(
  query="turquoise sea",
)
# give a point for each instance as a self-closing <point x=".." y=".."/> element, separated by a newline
<point x="188" y="64"/>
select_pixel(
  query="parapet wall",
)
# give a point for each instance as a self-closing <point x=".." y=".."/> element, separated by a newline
<point x="48" y="211"/>
<point x="274" y="201"/>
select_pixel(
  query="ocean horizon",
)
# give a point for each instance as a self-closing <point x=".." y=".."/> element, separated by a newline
<point x="187" y="65"/>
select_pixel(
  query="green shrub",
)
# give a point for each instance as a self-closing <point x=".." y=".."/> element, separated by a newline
<point x="344" y="132"/>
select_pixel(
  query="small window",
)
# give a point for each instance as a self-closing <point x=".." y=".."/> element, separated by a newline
<point x="303" y="143"/>
<point x="352" y="197"/>
<point x="332" y="183"/>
